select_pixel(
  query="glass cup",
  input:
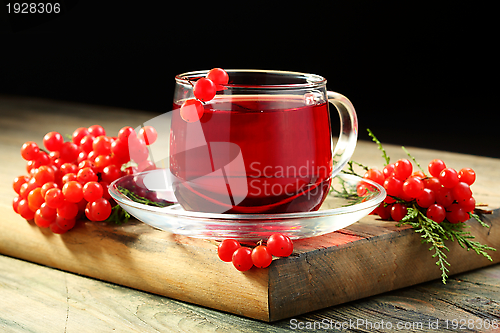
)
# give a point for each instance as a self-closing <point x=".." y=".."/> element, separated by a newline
<point x="262" y="145"/>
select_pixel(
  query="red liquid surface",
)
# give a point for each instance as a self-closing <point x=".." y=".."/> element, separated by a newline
<point x="263" y="156"/>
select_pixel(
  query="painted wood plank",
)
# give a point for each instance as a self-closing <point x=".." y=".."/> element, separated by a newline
<point x="39" y="299"/>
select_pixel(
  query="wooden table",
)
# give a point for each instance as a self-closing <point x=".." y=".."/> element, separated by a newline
<point x="42" y="299"/>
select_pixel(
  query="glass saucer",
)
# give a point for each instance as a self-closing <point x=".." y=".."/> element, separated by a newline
<point x="341" y="208"/>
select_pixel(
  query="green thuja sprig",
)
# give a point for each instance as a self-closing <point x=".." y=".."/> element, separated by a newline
<point x="413" y="159"/>
<point x="121" y="216"/>
<point x="145" y="201"/>
<point x="432" y="233"/>
<point x="118" y="215"/>
<point x="350" y="168"/>
<point x="380" y="147"/>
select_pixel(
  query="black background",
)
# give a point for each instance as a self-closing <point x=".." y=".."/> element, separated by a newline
<point x="418" y="75"/>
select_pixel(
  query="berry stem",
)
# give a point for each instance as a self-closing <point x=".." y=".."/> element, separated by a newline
<point x="189" y="81"/>
<point x="192" y="85"/>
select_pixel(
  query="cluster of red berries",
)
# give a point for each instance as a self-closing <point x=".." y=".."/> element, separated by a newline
<point x="204" y="90"/>
<point x="446" y="194"/>
<point x="72" y="178"/>
<point x="261" y="256"/>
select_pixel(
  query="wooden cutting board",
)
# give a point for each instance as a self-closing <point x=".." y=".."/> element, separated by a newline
<point x="367" y="258"/>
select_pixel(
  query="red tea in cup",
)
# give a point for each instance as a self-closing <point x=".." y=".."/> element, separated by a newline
<point x="263" y="145"/>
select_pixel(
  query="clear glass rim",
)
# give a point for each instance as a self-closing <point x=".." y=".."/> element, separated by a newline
<point x="311" y="80"/>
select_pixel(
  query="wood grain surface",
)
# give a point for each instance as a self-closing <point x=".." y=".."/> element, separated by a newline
<point x="136" y="255"/>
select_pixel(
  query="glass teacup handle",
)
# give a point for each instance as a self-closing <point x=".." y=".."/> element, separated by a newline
<point x="348" y="131"/>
